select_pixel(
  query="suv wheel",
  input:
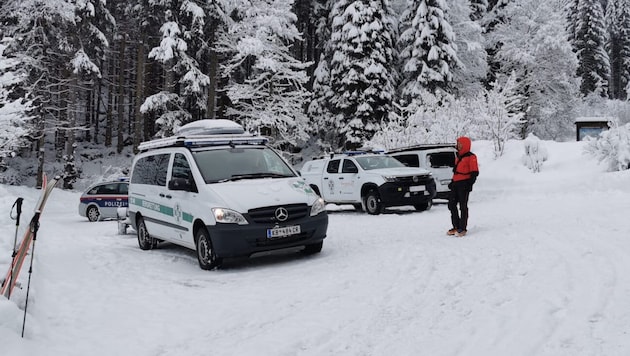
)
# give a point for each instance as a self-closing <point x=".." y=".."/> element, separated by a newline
<point x="425" y="206"/>
<point x="373" y="203"/>
<point x="205" y="253"/>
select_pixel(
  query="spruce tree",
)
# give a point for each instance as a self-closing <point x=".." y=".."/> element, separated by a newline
<point x="427" y="47"/>
<point x="590" y="39"/>
<point x="618" y="47"/>
<point x="362" y="73"/>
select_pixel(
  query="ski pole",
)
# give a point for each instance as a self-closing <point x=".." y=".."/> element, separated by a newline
<point x="34" y="226"/>
<point x="18" y="207"/>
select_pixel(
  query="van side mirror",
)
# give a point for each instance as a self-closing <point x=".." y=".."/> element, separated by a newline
<point x="180" y="184"/>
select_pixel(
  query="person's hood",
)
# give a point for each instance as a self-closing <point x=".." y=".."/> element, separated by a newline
<point x="465" y="141"/>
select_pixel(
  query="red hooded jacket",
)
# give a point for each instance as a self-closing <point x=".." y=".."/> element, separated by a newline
<point x="465" y="162"/>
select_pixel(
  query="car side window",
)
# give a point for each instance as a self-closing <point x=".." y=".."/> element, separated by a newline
<point x="333" y="166"/>
<point x="106" y="189"/>
<point x="349" y="167"/>
<point x="181" y="168"/>
<point x="409" y="160"/>
<point x="151" y="170"/>
<point x="123" y="188"/>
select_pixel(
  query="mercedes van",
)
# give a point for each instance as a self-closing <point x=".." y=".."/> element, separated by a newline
<point x="222" y="192"/>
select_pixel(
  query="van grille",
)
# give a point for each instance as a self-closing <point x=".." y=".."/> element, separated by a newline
<point x="267" y="215"/>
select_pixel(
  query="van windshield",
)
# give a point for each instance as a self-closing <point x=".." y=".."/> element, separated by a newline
<point x="229" y="164"/>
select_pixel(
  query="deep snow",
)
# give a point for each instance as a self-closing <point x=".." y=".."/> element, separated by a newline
<point x="543" y="271"/>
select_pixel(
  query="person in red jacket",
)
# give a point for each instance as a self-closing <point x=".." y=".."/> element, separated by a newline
<point x="465" y="174"/>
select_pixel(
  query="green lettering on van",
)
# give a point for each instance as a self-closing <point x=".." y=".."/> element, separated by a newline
<point x="152" y="206"/>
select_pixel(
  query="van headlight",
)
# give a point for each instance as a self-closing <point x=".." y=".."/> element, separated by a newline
<point x="227" y="216"/>
<point x="318" y="207"/>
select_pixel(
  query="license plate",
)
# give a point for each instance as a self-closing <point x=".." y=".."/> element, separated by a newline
<point x="416" y="188"/>
<point x="283" y="231"/>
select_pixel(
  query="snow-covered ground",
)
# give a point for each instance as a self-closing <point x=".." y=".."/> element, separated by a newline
<point x="545" y="270"/>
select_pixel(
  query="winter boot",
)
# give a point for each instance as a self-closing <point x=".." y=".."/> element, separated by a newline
<point x="460" y="233"/>
<point x="451" y="232"/>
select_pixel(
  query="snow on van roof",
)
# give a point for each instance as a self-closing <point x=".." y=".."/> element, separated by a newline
<point x="210" y="127"/>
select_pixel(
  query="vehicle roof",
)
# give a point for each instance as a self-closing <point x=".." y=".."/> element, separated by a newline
<point x="423" y="147"/>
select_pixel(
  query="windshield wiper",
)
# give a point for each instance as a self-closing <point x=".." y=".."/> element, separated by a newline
<point x="255" y="176"/>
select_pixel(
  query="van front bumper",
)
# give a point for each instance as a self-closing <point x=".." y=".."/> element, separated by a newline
<point x="231" y="240"/>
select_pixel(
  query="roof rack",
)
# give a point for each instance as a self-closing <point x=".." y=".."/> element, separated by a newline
<point x="203" y="141"/>
<point x="420" y="147"/>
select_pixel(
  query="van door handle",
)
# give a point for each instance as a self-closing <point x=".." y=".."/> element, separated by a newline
<point x="168" y="196"/>
<point x="340" y="178"/>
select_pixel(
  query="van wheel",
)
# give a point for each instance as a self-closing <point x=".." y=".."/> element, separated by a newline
<point x="145" y="241"/>
<point x="373" y="203"/>
<point x="425" y="206"/>
<point x="92" y="213"/>
<point x="313" y="248"/>
<point x="205" y="253"/>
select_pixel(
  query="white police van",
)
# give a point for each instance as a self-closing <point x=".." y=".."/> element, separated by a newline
<point x="222" y="192"/>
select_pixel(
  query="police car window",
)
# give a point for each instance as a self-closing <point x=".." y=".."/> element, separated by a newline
<point x="107" y="189"/>
<point x="123" y="188"/>
<point x="151" y="170"/>
<point x="333" y="166"/>
<point x="181" y="168"/>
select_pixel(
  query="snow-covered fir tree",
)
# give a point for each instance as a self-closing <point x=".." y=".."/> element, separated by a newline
<point x="533" y="46"/>
<point x="14" y="118"/>
<point x="478" y="9"/>
<point x="590" y="39"/>
<point x="618" y="47"/>
<point x="362" y="72"/>
<point x="427" y="48"/>
<point x="469" y="76"/>
<point x="184" y="81"/>
<point x="266" y="86"/>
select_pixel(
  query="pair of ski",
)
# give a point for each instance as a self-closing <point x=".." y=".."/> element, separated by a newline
<point x="19" y="254"/>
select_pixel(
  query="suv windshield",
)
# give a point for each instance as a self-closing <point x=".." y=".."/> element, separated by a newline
<point x="225" y="164"/>
<point x="377" y="162"/>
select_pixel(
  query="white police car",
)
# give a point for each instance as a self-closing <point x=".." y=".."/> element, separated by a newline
<point x="102" y="200"/>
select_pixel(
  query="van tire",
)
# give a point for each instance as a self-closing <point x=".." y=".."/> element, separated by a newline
<point x="205" y="252"/>
<point x="92" y="213"/>
<point x="145" y="241"/>
<point x="373" y="204"/>
<point x="313" y="248"/>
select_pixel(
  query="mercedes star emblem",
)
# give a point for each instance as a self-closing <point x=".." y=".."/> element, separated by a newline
<point x="282" y="214"/>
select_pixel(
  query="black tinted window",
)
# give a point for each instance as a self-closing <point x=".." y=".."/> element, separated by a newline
<point x="333" y="166"/>
<point x="181" y="168"/>
<point x="349" y="167"/>
<point x="442" y="159"/>
<point x="151" y="170"/>
<point x="409" y="160"/>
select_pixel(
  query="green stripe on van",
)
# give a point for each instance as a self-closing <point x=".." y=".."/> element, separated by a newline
<point x="187" y="217"/>
<point x="152" y="206"/>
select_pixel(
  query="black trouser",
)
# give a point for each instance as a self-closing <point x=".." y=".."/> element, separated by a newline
<point x="459" y="195"/>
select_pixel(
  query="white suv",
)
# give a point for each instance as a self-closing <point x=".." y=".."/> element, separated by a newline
<point x="369" y="181"/>
<point x="222" y="192"/>
<point x="437" y="158"/>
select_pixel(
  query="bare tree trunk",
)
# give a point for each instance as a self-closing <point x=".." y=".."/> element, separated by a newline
<point x="138" y="127"/>
<point x="211" y="107"/>
<point x="110" y="104"/>
<point x="121" y="95"/>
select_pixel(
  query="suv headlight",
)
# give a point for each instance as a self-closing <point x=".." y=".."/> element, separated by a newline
<point x="390" y="179"/>
<point x="318" y="206"/>
<point x="227" y="216"/>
